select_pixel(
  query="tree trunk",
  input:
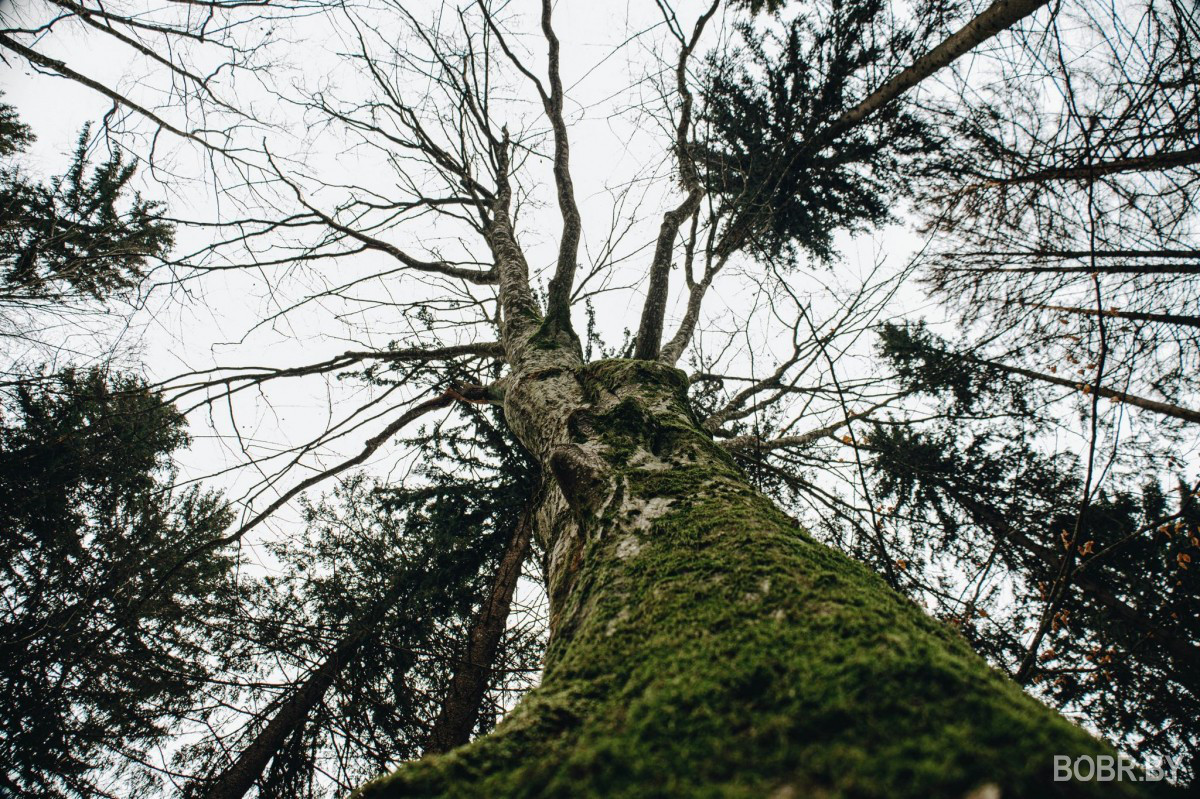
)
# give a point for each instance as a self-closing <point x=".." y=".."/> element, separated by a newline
<point x="460" y="706"/>
<point x="1157" y="406"/>
<point x="240" y="776"/>
<point x="702" y="644"/>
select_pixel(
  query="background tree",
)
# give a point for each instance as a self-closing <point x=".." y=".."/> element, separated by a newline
<point x="419" y="564"/>
<point x="1118" y="650"/>
<point x="71" y="237"/>
<point x="1068" y="229"/>
<point x="94" y="667"/>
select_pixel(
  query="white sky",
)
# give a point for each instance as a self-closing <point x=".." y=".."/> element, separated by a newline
<point x="608" y="49"/>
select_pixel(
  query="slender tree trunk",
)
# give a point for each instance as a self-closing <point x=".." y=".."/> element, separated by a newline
<point x="237" y="780"/>
<point x="999" y="16"/>
<point x="703" y="645"/>
<point x="1168" y="159"/>
<point x="1124" y="269"/>
<point x="460" y="707"/>
<point x="1184" y="320"/>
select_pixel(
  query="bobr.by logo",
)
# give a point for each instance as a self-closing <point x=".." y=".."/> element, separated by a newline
<point x="1106" y="768"/>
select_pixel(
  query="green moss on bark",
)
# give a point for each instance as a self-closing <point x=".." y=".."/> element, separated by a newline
<point x="719" y="651"/>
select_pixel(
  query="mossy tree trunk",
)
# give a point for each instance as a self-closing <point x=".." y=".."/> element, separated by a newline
<point x="703" y="645"/>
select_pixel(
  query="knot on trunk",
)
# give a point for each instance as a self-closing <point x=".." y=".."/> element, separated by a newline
<point x="583" y="477"/>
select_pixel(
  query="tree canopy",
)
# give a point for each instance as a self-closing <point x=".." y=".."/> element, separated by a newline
<point x="72" y="236"/>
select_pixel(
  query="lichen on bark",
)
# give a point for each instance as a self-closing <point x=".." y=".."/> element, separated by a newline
<point x="704" y="645"/>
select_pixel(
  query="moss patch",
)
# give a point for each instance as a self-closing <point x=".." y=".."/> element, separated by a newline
<point x="727" y="654"/>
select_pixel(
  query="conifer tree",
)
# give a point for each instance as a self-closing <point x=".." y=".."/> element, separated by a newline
<point x="100" y="655"/>
<point x="80" y="234"/>
<point x="379" y="605"/>
<point x="1111" y="577"/>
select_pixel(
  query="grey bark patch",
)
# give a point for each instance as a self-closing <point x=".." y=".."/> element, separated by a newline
<point x="582" y="476"/>
<point x="643" y="512"/>
<point x="628" y="547"/>
<point x="616" y="622"/>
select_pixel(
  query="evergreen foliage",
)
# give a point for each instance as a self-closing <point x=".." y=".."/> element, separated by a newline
<point x="15" y="135"/>
<point x="980" y="488"/>
<point x="99" y="657"/>
<point x="786" y="182"/>
<point x="81" y="234"/>
<point x="409" y="566"/>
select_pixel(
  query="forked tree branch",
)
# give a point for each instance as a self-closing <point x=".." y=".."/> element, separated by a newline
<point x="558" y="305"/>
<point x="649" y="336"/>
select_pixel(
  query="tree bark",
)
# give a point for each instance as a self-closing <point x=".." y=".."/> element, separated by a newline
<point x="702" y="644"/>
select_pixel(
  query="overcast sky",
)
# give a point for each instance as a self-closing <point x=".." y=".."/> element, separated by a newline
<point x="613" y="68"/>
